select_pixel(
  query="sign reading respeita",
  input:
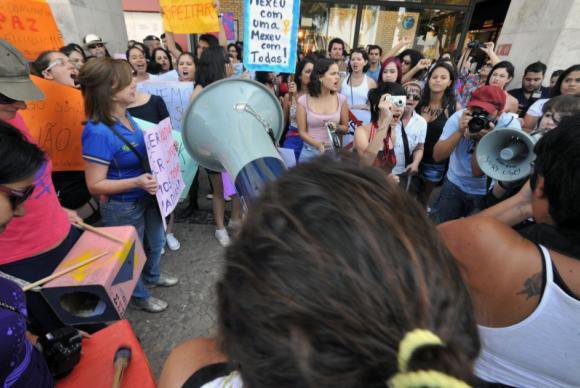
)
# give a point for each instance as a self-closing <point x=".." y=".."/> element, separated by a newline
<point x="270" y="35"/>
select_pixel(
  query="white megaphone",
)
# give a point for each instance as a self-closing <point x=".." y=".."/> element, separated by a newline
<point x="232" y="126"/>
<point x="506" y="154"/>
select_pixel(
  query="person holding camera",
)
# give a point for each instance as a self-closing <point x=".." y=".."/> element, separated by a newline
<point x="526" y="291"/>
<point x="375" y="142"/>
<point x="464" y="193"/>
<point x="532" y="89"/>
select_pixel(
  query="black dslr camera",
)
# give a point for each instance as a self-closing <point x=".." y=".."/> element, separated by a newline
<point x="61" y="349"/>
<point x="474" y="44"/>
<point x="479" y="120"/>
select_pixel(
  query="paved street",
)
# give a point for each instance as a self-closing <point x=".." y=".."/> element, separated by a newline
<point x="191" y="311"/>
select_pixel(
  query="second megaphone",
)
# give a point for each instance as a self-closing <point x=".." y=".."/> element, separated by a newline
<point x="233" y="125"/>
<point x="506" y="154"/>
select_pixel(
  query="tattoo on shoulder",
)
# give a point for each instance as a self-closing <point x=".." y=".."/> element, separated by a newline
<point x="532" y="286"/>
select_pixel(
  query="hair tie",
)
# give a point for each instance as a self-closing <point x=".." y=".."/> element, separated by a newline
<point x="411" y="342"/>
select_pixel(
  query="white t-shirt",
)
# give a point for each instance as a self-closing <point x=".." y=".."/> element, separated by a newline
<point x="416" y="130"/>
<point x="536" y="108"/>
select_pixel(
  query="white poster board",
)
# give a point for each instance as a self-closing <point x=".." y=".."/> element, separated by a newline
<point x="175" y="94"/>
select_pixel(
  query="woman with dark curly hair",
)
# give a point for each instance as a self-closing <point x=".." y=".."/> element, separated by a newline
<point x="337" y="279"/>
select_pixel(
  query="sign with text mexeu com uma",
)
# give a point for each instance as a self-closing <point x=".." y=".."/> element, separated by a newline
<point x="271" y="35"/>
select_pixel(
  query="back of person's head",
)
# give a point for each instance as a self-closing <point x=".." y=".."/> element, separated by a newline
<point x="507" y="65"/>
<point x="264" y="77"/>
<point x="100" y="80"/>
<point x="557" y="89"/>
<point x="321" y="66"/>
<point x="536" y="67"/>
<point x="337" y="41"/>
<point x="211" y="66"/>
<point x="319" y="290"/>
<point x="558" y="162"/>
<point x="210" y="39"/>
<point x="21" y="159"/>
<point x="41" y="62"/>
<point x="563" y="105"/>
<point x="415" y="56"/>
<point x="392" y="88"/>
<point x="449" y="99"/>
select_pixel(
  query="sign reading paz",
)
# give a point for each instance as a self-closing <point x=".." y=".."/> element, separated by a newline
<point x="164" y="162"/>
<point x="189" y="16"/>
<point x="56" y="124"/>
<point x="29" y="26"/>
<point x="270" y="35"/>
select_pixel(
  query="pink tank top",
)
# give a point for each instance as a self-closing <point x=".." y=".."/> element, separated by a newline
<point x="315" y="121"/>
<point x="44" y="224"/>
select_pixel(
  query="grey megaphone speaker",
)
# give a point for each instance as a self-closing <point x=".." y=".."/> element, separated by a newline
<point x="232" y="126"/>
<point x="506" y="154"/>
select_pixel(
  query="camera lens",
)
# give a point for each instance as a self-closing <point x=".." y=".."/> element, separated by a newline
<point x="476" y="124"/>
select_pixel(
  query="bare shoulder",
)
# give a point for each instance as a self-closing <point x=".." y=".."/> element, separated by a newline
<point x="371" y="82"/>
<point x="188" y="358"/>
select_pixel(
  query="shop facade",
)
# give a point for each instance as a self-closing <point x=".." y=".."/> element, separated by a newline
<point x="434" y="27"/>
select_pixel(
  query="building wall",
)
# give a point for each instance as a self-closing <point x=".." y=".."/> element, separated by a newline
<point x="76" y="18"/>
<point x="542" y="30"/>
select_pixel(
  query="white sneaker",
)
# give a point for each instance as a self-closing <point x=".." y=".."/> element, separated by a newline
<point x="223" y="237"/>
<point x="227" y="199"/>
<point x="172" y="242"/>
<point x="209" y="196"/>
<point x="162" y="251"/>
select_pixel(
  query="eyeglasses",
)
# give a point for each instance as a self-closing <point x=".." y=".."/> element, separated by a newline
<point x="413" y="96"/>
<point x="95" y="45"/>
<point x="17" y="197"/>
<point x="57" y="62"/>
<point x="5" y="100"/>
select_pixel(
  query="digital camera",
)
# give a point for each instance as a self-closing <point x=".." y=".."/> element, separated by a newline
<point x="61" y="349"/>
<point x="398" y="101"/>
<point x="474" y="44"/>
<point x="479" y="120"/>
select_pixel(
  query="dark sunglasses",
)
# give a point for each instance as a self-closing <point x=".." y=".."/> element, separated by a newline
<point x="5" y="100"/>
<point x="17" y="197"/>
<point x="96" y="45"/>
<point x="413" y="96"/>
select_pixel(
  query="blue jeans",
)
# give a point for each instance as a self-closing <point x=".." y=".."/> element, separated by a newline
<point x="453" y="203"/>
<point x="144" y="215"/>
<point x="308" y="153"/>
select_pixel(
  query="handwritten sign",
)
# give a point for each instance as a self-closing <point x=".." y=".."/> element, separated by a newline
<point x="189" y="16"/>
<point x="270" y="33"/>
<point x="56" y="124"/>
<point x="164" y="163"/>
<point x="175" y="94"/>
<point x="229" y="26"/>
<point x="29" y="26"/>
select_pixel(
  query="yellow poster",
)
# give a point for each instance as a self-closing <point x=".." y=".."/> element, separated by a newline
<point x="189" y="16"/>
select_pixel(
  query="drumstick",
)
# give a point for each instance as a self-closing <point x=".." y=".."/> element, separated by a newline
<point x="120" y="361"/>
<point x="90" y="228"/>
<point x="63" y="272"/>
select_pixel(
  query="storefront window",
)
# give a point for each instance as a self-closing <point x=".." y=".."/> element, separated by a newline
<point x="432" y="31"/>
<point x="321" y="22"/>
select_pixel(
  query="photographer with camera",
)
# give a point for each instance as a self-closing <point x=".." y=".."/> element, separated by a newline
<point x="532" y="89"/>
<point x="463" y="193"/>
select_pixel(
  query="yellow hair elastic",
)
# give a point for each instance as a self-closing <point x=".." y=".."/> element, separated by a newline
<point x="411" y="342"/>
<point x="424" y="379"/>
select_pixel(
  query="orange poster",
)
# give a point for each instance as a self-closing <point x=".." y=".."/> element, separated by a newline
<point x="29" y="26"/>
<point x="56" y="124"/>
<point x="189" y="16"/>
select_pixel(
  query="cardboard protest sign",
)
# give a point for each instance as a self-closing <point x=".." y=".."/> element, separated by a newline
<point x="175" y="94"/>
<point x="56" y="124"/>
<point x="164" y="163"/>
<point x="229" y="26"/>
<point x="189" y="16"/>
<point x="29" y="26"/>
<point x="271" y="35"/>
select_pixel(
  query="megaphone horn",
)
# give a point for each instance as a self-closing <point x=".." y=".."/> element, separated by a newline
<point x="233" y="125"/>
<point x="506" y="154"/>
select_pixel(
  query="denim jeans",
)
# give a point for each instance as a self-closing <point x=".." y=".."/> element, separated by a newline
<point x="144" y="215"/>
<point x="308" y="153"/>
<point x="453" y="203"/>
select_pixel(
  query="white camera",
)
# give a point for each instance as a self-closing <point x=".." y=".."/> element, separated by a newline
<point x="398" y="101"/>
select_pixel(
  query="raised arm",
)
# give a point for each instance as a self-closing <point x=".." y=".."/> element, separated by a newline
<point x="405" y="40"/>
<point x="170" y="40"/>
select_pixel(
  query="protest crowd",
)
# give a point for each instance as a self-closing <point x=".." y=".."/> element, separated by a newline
<point x="389" y="253"/>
